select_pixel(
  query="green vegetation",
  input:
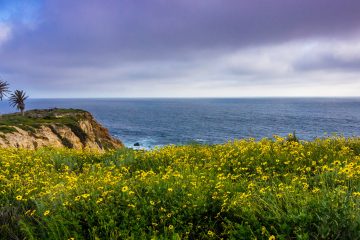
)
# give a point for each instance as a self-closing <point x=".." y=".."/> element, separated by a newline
<point x="34" y="119"/>
<point x="270" y="189"/>
<point x="7" y="129"/>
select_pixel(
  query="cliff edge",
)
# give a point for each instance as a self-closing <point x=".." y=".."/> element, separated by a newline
<point x="71" y="128"/>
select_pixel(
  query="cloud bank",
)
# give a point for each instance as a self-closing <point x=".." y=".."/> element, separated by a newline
<point x="168" y="48"/>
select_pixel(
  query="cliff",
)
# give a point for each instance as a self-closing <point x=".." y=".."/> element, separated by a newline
<point x="71" y="128"/>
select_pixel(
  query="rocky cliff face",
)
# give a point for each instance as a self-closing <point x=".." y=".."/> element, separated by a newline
<point x="69" y="128"/>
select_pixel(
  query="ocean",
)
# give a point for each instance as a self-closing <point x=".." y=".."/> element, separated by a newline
<point x="158" y="122"/>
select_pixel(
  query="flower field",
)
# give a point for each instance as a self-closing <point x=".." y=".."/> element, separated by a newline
<point x="246" y="189"/>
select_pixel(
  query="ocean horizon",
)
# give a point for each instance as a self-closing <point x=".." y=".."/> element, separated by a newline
<point x="154" y="122"/>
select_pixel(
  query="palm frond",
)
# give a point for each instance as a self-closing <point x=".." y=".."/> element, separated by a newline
<point x="4" y="89"/>
<point x="17" y="99"/>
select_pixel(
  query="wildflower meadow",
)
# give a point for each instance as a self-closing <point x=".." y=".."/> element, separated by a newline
<point x="245" y="189"/>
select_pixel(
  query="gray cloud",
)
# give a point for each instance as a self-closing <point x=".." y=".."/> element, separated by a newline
<point x="125" y="30"/>
<point x="127" y="46"/>
<point x="329" y="62"/>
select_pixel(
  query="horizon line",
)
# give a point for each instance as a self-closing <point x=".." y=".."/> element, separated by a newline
<point x="244" y="97"/>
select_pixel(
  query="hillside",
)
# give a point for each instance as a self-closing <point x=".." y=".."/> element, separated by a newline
<point x="71" y="128"/>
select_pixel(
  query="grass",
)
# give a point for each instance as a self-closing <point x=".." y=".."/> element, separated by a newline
<point x="34" y="119"/>
<point x="246" y="189"/>
<point x="7" y="129"/>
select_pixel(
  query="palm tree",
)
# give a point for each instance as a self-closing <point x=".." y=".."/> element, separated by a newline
<point x="17" y="99"/>
<point x="4" y="89"/>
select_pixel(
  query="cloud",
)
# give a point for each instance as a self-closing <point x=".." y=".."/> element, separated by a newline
<point x="271" y="70"/>
<point x="181" y="48"/>
<point x="94" y="32"/>
<point x="5" y="33"/>
<point x="331" y="56"/>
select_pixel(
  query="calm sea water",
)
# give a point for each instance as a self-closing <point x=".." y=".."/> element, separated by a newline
<point x="152" y="122"/>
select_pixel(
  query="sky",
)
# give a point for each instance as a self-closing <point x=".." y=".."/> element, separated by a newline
<point x="181" y="48"/>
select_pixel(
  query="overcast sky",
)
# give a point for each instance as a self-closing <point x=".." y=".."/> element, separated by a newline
<point x="181" y="48"/>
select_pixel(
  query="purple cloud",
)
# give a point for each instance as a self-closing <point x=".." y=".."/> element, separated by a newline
<point x="77" y="41"/>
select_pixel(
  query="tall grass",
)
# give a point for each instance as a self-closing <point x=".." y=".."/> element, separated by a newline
<point x="270" y="189"/>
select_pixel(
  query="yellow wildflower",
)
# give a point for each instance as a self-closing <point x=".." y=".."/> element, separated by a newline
<point x="86" y="195"/>
<point x="337" y="162"/>
<point x="356" y="194"/>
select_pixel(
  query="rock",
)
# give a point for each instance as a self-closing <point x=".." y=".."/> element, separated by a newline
<point x="71" y="128"/>
<point x="137" y="144"/>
